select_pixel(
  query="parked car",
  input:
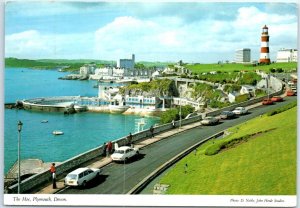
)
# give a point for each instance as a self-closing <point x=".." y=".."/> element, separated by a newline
<point x="209" y="120"/>
<point x="267" y="101"/>
<point x="277" y="99"/>
<point x="227" y="115"/>
<point x="290" y="93"/>
<point x="81" y="176"/>
<point x="240" y="111"/>
<point x="124" y="153"/>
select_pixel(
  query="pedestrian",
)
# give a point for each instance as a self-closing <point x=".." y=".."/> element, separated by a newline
<point x="152" y="131"/>
<point x="53" y="175"/>
<point x="104" y="149"/>
<point x="109" y="146"/>
<point x="107" y="150"/>
<point x="129" y="140"/>
<point x="195" y="151"/>
<point x="185" y="168"/>
<point x="173" y="124"/>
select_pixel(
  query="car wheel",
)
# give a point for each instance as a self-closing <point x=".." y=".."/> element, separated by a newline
<point x="84" y="183"/>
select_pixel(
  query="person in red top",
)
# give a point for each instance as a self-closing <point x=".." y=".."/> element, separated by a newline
<point x="109" y="146"/>
<point x="53" y="175"/>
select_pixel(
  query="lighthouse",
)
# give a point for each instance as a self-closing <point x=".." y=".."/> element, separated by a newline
<point x="264" y="50"/>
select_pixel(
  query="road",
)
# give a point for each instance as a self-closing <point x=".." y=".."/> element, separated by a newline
<point x="120" y="178"/>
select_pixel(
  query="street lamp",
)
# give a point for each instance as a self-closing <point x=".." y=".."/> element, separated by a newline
<point x="20" y="124"/>
<point x="180" y="113"/>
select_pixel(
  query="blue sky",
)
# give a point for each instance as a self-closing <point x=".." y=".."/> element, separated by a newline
<point x="199" y="32"/>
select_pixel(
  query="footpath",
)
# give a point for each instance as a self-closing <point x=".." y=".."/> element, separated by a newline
<point x="106" y="160"/>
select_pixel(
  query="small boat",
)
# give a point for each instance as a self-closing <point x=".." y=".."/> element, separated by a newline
<point x="44" y="121"/>
<point x="57" y="132"/>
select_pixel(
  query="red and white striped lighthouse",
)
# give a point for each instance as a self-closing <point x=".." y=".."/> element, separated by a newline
<point x="264" y="50"/>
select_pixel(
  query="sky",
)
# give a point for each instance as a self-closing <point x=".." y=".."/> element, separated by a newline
<point x="194" y="32"/>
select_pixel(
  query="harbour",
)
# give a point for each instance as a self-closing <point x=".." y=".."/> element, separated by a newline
<point x="82" y="131"/>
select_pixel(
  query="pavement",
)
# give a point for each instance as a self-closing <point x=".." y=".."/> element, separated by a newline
<point x="103" y="161"/>
<point x="106" y="160"/>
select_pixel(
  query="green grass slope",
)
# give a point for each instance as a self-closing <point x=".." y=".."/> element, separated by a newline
<point x="230" y="67"/>
<point x="263" y="165"/>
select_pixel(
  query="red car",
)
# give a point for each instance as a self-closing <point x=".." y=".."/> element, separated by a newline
<point x="290" y="93"/>
<point x="267" y="101"/>
<point x="277" y="99"/>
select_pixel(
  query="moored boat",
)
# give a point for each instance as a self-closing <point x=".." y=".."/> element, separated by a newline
<point x="57" y="132"/>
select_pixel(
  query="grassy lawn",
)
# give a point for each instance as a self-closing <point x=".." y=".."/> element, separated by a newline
<point x="200" y="68"/>
<point x="264" y="165"/>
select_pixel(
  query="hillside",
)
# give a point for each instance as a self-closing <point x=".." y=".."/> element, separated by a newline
<point x="264" y="164"/>
<point x="230" y="67"/>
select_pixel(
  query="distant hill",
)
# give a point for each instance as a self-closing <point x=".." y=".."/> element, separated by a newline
<point x="68" y="64"/>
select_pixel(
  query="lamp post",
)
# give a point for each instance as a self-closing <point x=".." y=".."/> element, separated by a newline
<point x="180" y="113"/>
<point x="20" y="124"/>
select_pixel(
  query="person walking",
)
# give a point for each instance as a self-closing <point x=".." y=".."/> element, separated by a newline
<point x="173" y="124"/>
<point x="129" y="140"/>
<point x="53" y="175"/>
<point x="109" y="147"/>
<point x="186" y="168"/>
<point x="152" y="131"/>
<point x="104" y="149"/>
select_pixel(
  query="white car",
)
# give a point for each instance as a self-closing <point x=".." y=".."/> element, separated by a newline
<point x="124" y="153"/>
<point x="81" y="176"/>
<point x="240" y="111"/>
<point x="209" y="120"/>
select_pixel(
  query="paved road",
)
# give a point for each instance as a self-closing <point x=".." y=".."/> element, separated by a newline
<point x="120" y="178"/>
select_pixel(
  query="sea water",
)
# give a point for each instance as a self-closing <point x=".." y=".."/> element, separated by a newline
<point x="82" y="131"/>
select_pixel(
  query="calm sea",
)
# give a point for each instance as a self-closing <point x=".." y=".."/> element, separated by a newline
<point x="82" y="131"/>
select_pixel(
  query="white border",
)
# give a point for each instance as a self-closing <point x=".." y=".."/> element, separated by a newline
<point x="132" y="200"/>
<point x="150" y="200"/>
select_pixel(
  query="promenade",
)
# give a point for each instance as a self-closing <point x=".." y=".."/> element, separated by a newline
<point x="103" y="161"/>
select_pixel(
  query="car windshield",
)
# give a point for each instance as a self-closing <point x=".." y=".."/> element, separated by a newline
<point x="119" y="151"/>
<point x="72" y="176"/>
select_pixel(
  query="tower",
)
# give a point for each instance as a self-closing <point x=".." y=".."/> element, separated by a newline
<point x="264" y="50"/>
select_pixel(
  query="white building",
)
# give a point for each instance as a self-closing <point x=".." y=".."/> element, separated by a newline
<point x="243" y="55"/>
<point x="107" y="73"/>
<point x="87" y="69"/>
<point x="287" y="55"/>
<point x="126" y="63"/>
<point x="248" y="89"/>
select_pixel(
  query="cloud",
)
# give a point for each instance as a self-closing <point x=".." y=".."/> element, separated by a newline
<point x="166" y="31"/>
<point x="33" y="44"/>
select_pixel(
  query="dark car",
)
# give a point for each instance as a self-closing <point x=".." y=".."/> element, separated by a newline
<point x="227" y="115"/>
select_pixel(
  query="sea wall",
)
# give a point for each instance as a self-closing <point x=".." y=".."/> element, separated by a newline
<point x="44" y="177"/>
<point x="71" y="164"/>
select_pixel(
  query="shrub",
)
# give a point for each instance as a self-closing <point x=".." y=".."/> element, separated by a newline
<point x="241" y="98"/>
<point x="279" y="70"/>
<point x="215" y="148"/>
<point x="212" y="149"/>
